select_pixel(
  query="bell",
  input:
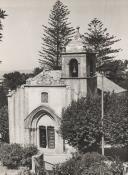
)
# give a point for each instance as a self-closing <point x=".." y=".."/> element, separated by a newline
<point x="74" y="69"/>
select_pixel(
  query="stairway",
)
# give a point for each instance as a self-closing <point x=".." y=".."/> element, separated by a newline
<point x="48" y="161"/>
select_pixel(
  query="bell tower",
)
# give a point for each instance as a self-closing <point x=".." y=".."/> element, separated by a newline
<point x="79" y="68"/>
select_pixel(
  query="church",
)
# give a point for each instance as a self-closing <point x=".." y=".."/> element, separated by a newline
<point x="35" y="108"/>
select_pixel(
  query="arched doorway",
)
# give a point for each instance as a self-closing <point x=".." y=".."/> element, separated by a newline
<point x="43" y="125"/>
<point x="46" y="127"/>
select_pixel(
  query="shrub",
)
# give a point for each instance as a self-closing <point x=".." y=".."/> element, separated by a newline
<point x="24" y="171"/>
<point x="117" y="152"/>
<point x="88" y="164"/>
<point x="14" y="155"/>
<point x="69" y="167"/>
<point x="11" y="155"/>
<point x="28" y="152"/>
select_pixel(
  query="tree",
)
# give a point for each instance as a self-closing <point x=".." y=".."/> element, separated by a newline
<point x="2" y="16"/>
<point x="3" y="96"/>
<point x="116" y="120"/>
<point x="4" y="126"/>
<point x="81" y="122"/>
<point x="124" y="83"/>
<point x="14" y="79"/>
<point x="55" y="36"/>
<point x="98" y="40"/>
<point x="37" y="70"/>
<point x="117" y="71"/>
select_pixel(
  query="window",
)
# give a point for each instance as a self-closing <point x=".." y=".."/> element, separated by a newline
<point x="43" y="140"/>
<point x="73" y="68"/>
<point x="51" y="137"/>
<point x="47" y="137"/>
<point x="44" y="97"/>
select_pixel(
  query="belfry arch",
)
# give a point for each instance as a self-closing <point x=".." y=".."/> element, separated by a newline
<point x="73" y="68"/>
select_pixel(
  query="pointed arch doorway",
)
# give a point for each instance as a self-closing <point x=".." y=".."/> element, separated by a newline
<point x="42" y="125"/>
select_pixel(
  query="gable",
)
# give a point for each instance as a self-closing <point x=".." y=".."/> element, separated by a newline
<point x="46" y="78"/>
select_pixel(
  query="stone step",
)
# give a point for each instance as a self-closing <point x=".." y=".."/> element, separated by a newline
<point x="56" y="158"/>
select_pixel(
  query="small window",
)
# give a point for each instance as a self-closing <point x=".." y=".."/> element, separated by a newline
<point x="73" y="68"/>
<point x="47" y="137"/>
<point x="44" y="97"/>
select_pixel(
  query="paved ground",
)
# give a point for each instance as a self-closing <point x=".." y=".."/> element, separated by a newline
<point x="5" y="171"/>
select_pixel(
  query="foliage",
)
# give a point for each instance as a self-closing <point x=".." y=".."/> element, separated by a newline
<point x="124" y="80"/>
<point x="2" y="16"/>
<point x="14" y="79"/>
<point x="11" y="155"/>
<point x="3" y="97"/>
<point x="89" y="164"/>
<point x="98" y="40"/>
<point x="55" y="36"/>
<point x="117" y="71"/>
<point x="117" y="152"/>
<point x="28" y="152"/>
<point x="116" y="120"/>
<point x="37" y="70"/>
<point x="4" y="127"/>
<point x="69" y="167"/>
<point x="81" y="122"/>
<point x="14" y="155"/>
<point x="24" y="171"/>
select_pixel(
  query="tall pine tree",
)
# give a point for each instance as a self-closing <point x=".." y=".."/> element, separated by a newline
<point x="55" y="36"/>
<point x="98" y="40"/>
<point x="2" y="16"/>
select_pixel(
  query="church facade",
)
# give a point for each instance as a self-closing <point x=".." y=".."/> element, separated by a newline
<point x="35" y="109"/>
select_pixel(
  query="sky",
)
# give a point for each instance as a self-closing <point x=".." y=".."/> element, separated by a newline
<point x="22" y="28"/>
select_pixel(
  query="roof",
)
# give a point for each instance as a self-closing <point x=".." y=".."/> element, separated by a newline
<point x="76" y="44"/>
<point x="108" y="85"/>
<point x="53" y="78"/>
<point x="46" y="78"/>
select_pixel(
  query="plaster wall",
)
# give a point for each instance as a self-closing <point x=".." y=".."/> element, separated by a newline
<point x="16" y="116"/>
<point x="56" y="98"/>
<point x="11" y="119"/>
<point x="78" y="88"/>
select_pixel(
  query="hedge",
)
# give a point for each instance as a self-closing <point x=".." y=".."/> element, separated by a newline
<point x="14" y="155"/>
